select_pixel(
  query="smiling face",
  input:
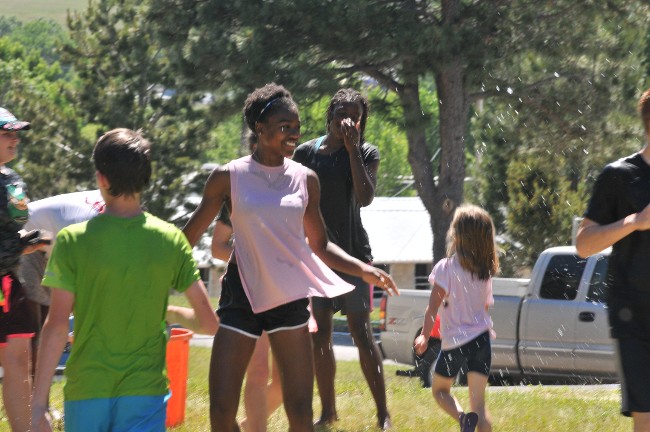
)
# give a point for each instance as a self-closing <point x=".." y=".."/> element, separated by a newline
<point x="279" y="133"/>
<point x="351" y="110"/>
<point x="8" y="146"/>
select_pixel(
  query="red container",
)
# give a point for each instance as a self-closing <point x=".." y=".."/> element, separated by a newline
<point x="178" y="354"/>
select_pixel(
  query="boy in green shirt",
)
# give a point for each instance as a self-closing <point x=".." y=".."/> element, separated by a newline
<point x="114" y="272"/>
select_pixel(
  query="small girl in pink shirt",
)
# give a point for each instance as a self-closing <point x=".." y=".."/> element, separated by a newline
<point x="462" y="284"/>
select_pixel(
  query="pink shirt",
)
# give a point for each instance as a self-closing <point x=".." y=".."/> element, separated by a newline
<point x="276" y="265"/>
<point x="463" y="314"/>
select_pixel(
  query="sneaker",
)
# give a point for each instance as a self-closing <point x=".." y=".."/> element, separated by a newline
<point x="468" y="422"/>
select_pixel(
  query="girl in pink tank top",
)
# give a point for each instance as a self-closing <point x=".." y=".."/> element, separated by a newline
<point x="282" y="256"/>
<point x="462" y="285"/>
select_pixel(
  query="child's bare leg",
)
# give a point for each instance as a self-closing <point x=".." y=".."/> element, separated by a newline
<point x="371" y="362"/>
<point x="231" y="353"/>
<point x="293" y="355"/>
<point x="255" y="390"/>
<point x="274" y="389"/>
<point x="477" y="383"/>
<point x="441" y="389"/>
<point x="324" y="365"/>
<point x="16" y="384"/>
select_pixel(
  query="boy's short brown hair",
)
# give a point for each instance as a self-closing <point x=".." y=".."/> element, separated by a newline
<point x="644" y="109"/>
<point x="123" y="156"/>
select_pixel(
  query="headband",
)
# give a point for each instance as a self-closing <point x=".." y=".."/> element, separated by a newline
<point x="269" y="103"/>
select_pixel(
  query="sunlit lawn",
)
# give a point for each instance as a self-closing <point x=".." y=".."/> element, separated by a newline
<point x="531" y="408"/>
<point x="514" y="409"/>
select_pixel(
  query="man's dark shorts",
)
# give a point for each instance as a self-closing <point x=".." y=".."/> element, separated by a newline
<point x="357" y="300"/>
<point x="15" y="319"/>
<point x="235" y="312"/>
<point x="477" y="353"/>
<point x="633" y="359"/>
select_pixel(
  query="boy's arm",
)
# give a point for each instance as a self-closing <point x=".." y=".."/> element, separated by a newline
<point x="54" y="336"/>
<point x="435" y="300"/>
<point x="593" y="237"/>
<point x="200" y="318"/>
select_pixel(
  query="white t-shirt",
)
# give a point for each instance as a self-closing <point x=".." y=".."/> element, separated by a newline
<point x="463" y="314"/>
<point x="59" y="211"/>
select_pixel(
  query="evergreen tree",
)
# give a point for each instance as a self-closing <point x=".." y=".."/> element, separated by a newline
<point x="471" y="49"/>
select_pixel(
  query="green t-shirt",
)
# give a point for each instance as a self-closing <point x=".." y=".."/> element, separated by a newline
<point x="120" y="271"/>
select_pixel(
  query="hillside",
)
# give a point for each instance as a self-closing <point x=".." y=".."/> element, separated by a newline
<point x="28" y="10"/>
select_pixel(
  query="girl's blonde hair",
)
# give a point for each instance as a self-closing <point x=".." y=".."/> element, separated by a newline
<point x="471" y="238"/>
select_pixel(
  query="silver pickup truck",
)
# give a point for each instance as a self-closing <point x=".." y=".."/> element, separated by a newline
<point x="553" y="325"/>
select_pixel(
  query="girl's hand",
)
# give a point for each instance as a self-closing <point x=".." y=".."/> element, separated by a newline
<point x="351" y="135"/>
<point x="420" y="344"/>
<point x="380" y="279"/>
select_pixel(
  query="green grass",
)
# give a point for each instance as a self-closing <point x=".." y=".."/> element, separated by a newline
<point x="28" y="10"/>
<point x="513" y="409"/>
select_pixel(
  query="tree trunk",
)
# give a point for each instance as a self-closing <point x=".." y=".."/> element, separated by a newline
<point x="453" y="108"/>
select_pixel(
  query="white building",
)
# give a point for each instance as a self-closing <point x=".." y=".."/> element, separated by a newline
<point x="401" y="239"/>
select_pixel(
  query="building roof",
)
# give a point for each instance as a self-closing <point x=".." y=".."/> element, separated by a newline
<point x="399" y="230"/>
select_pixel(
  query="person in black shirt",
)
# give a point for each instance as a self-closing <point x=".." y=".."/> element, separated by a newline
<point x="16" y="326"/>
<point x="618" y="215"/>
<point x="347" y="169"/>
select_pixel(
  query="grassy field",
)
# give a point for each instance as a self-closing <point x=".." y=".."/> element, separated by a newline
<point x="514" y="409"/>
<point x="27" y="10"/>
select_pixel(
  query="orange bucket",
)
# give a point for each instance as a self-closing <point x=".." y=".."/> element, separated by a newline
<point x="178" y="354"/>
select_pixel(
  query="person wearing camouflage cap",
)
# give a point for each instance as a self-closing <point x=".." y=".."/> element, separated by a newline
<point x="16" y="328"/>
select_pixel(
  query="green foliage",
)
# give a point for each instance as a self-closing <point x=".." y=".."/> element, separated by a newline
<point x="33" y="87"/>
<point x="123" y="80"/>
<point x="542" y="204"/>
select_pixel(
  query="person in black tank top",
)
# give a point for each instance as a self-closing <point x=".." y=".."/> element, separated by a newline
<point x="347" y="169"/>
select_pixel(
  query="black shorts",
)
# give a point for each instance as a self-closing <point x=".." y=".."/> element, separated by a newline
<point x="477" y="353"/>
<point x="357" y="300"/>
<point x="235" y="312"/>
<point x="633" y="357"/>
<point x="15" y="318"/>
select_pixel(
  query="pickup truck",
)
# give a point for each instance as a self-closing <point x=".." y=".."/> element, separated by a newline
<point x="553" y="325"/>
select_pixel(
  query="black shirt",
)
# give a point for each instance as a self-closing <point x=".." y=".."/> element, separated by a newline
<point x="338" y="204"/>
<point x="13" y="215"/>
<point x="623" y="188"/>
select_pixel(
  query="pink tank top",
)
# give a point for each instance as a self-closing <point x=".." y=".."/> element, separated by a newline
<point x="276" y="265"/>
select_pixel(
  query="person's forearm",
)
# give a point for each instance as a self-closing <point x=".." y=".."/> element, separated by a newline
<point x="336" y="258"/>
<point x="593" y="238"/>
<point x="429" y="321"/>
<point x="53" y="340"/>
<point x="362" y="184"/>
<point x="186" y="317"/>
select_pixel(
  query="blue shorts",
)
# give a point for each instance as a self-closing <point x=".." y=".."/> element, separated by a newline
<point x="235" y="312"/>
<point x="357" y="300"/>
<point x="477" y="353"/>
<point x="124" y="414"/>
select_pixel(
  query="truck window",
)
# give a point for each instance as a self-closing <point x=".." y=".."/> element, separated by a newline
<point x="422" y="272"/>
<point x="598" y="288"/>
<point x="562" y="277"/>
